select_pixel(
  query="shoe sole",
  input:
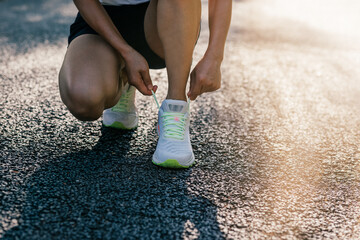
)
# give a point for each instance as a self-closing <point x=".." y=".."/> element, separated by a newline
<point x="172" y="163"/>
<point x="119" y="125"/>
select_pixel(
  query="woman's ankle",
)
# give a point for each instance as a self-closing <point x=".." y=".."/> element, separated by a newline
<point x="176" y="96"/>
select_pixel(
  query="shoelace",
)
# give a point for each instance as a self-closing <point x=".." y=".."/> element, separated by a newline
<point x="123" y="103"/>
<point x="174" y="123"/>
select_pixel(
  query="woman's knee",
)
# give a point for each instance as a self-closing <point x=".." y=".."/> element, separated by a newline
<point x="85" y="102"/>
<point x="89" y="77"/>
<point x="86" y="112"/>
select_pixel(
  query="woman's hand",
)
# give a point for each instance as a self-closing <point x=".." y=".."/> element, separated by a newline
<point x="137" y="70"/>
<point x="206" y="77"/>
<point x="136" y="66"/>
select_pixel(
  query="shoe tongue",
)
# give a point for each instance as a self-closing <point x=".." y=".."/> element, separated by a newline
<point x="179" y="106"/>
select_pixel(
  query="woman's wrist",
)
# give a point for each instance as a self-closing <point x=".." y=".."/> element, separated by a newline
<point x="214" y="55"/>
<point x="125" y="50"/>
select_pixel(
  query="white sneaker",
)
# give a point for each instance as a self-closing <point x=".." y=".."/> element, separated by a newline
<point x="174" y="148"/>
<point x="124" y="114"/>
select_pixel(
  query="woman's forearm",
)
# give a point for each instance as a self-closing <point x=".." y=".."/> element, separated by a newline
<point x="219" y="23"/>
<point x="97" y="18"/>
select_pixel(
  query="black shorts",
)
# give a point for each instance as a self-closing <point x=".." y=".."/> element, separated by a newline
<point x="129" y="20"/>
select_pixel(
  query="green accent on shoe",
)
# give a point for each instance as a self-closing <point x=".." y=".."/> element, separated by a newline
<point x="123" y="104"/>
<point x="171" y="163"/>
<point x="119" y="125"/>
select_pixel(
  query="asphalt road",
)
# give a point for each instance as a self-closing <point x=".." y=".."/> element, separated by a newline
<point x="277" y="147"/>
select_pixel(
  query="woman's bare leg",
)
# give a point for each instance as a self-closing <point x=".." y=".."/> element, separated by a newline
<point x="89" y="77"/>
<point x="171" y="29"/>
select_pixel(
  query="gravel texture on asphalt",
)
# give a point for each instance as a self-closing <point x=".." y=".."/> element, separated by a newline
<point x="277" y="147"/>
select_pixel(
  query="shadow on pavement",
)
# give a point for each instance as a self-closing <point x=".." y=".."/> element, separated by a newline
<point x="24" y="25"/>
<point x="101" y="194"/>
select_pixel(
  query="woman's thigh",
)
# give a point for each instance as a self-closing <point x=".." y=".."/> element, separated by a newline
<point x="89" y="75"/>
<point x="151" y="30"/>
